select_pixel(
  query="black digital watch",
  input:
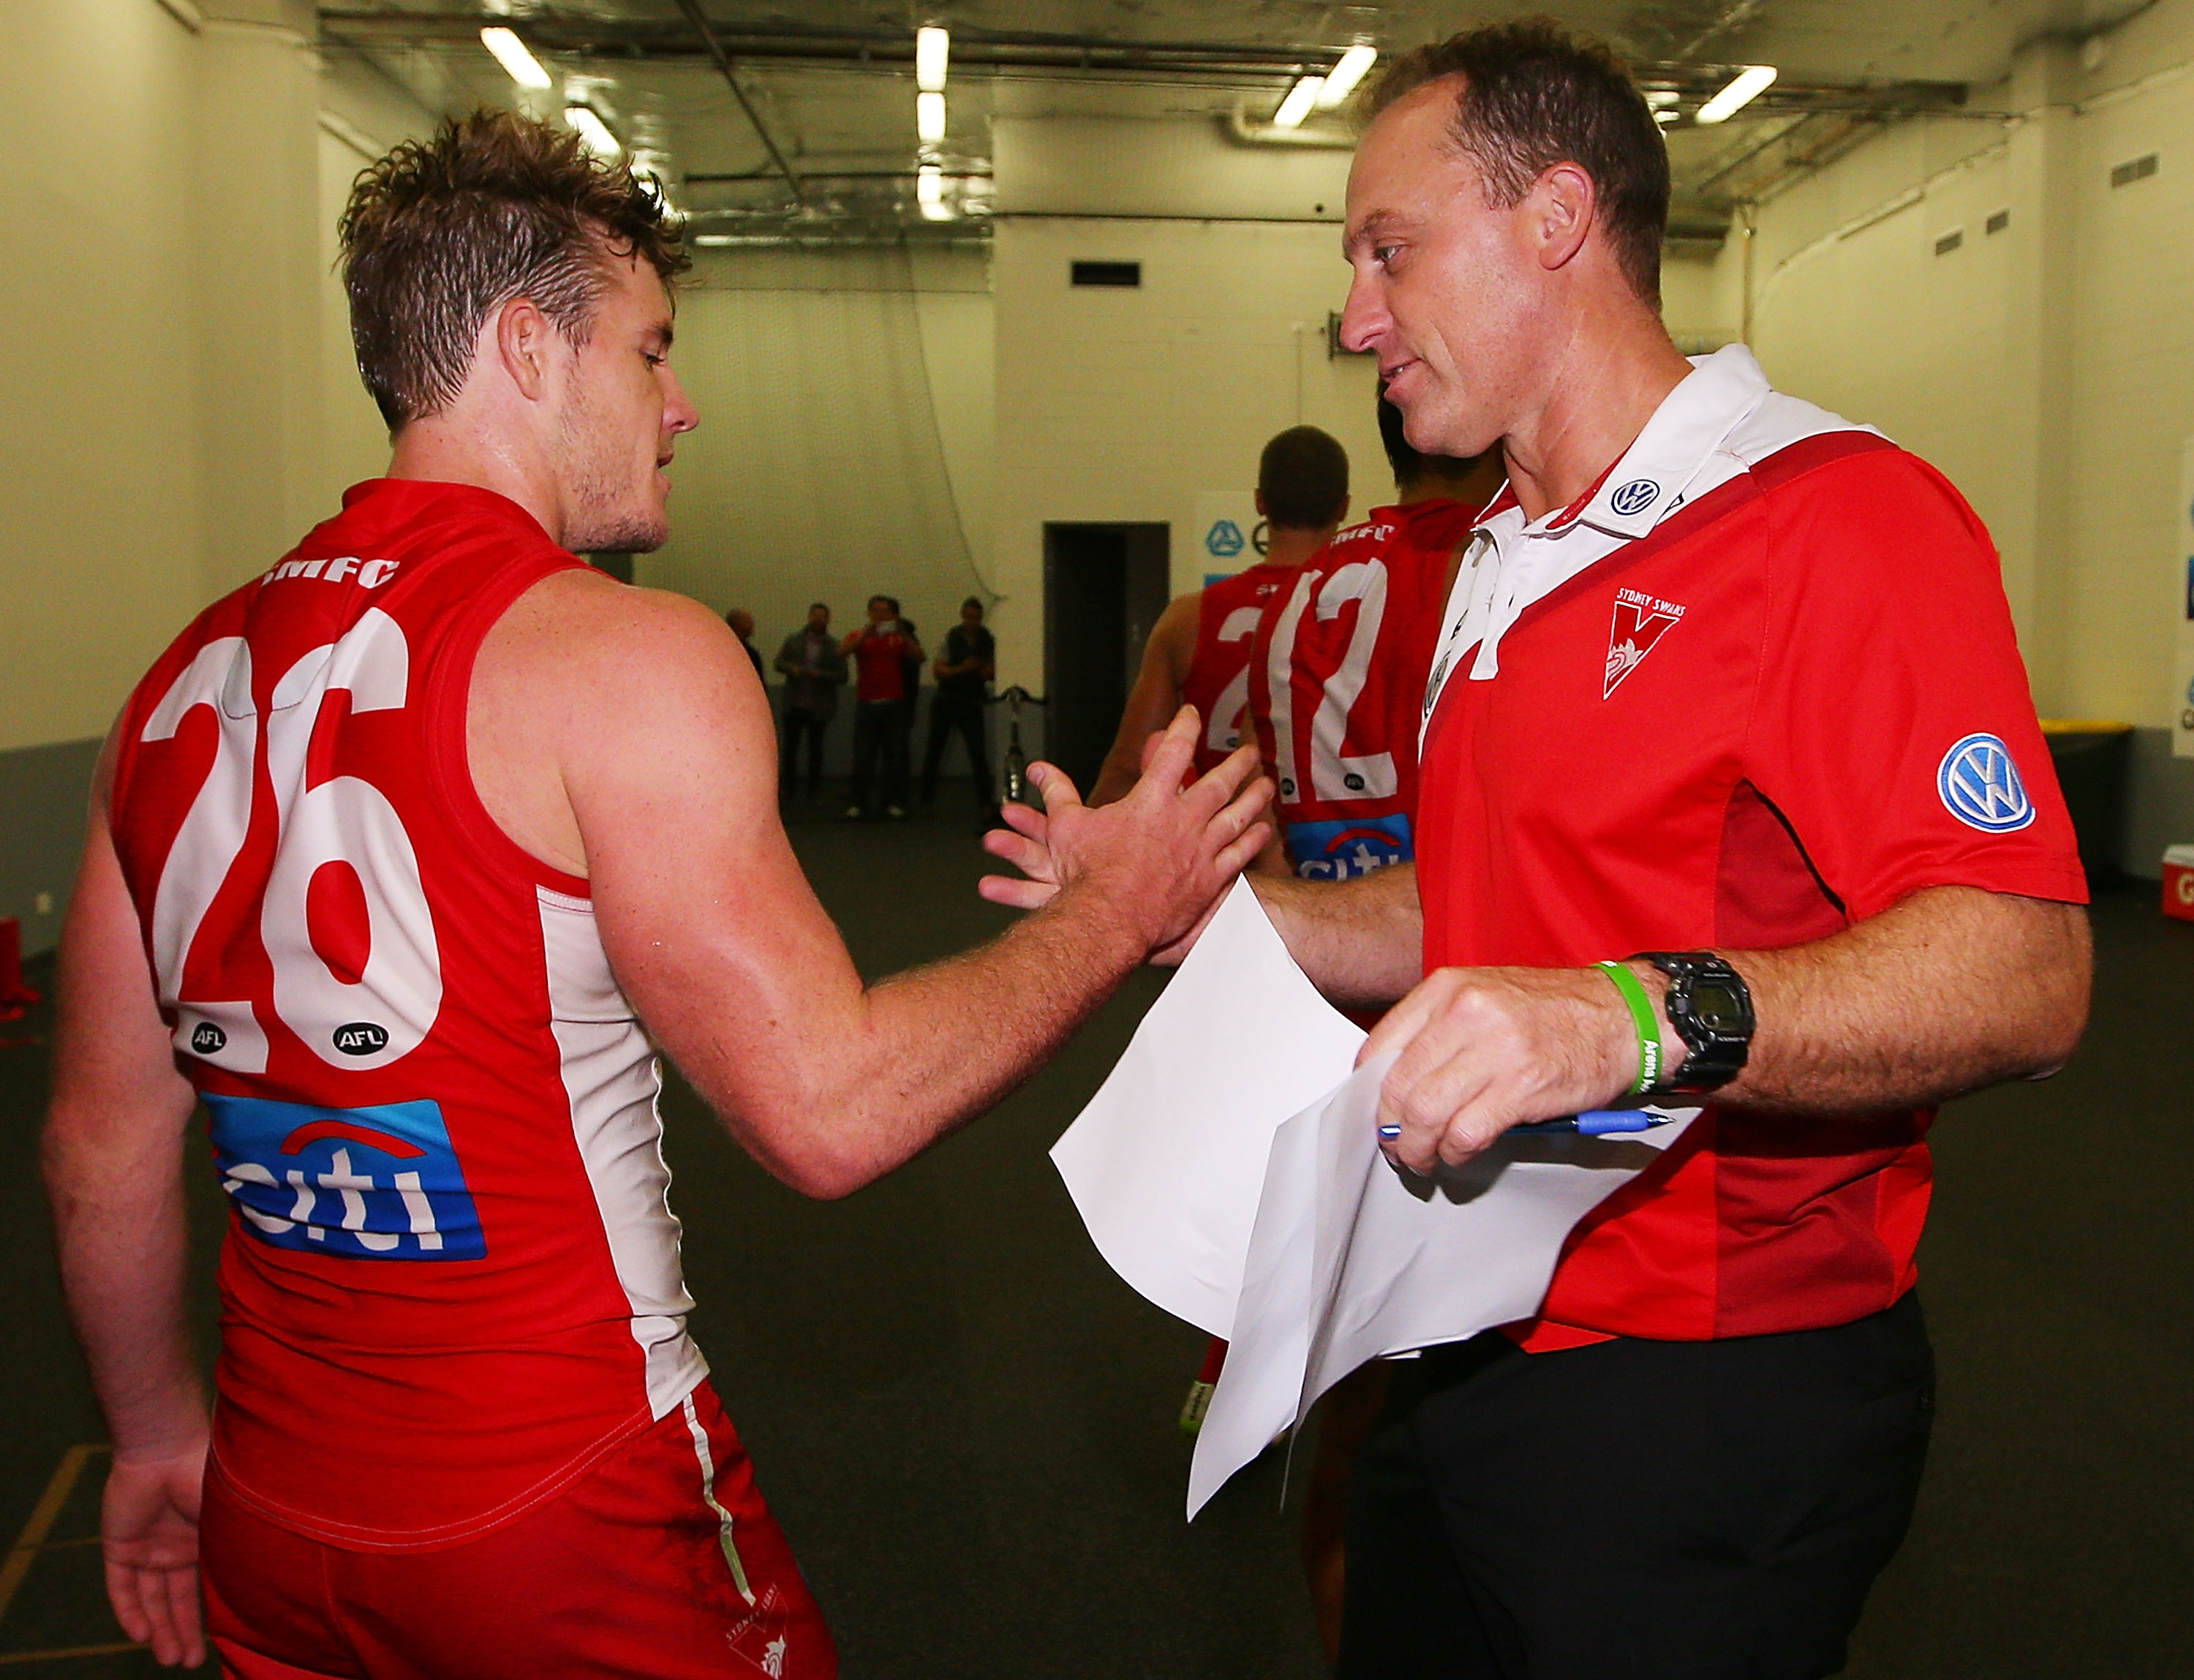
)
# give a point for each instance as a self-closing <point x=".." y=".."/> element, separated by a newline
<point x="1710" y="1007"/>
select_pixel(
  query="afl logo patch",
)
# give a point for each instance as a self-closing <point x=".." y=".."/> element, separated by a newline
<point x="207" y="1039"/>
<point x="361" y="1037"/>
<point x="1636" y="497"/>
<point x="1980" y="786"/>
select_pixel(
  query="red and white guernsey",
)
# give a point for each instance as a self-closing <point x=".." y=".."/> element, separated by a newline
<point x="1758" y="685"/>
<point x="1218" y="680"/>
<point x="451" y="1278"/>
<point x="1338" y="683"/>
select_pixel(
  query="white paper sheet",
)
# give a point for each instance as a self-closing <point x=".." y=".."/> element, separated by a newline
<point x="1230" y="1171"/>
<point x="1166" y="1163"/>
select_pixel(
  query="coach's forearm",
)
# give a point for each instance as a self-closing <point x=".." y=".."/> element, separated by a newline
<point x="1360" y="941"/>
<point x="120" y="1229"/>
<point x="1952" y="990"/>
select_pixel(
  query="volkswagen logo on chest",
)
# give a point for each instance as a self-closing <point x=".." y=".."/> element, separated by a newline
<point x="1980" y="786"/>
<point x="1636" y="497"/>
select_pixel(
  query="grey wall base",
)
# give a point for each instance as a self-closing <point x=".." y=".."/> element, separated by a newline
<point x="42" y="794"/>
<point x="2159" y="803"/>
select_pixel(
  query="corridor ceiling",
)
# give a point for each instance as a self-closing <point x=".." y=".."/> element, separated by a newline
<point x="817" y="139"/>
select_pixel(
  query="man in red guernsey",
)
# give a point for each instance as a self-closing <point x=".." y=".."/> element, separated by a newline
<point x="1198" y="650"/>
<point x="1338" y="666"/>
<point x="391" y="855"/>
<point x="1731" y="795"/>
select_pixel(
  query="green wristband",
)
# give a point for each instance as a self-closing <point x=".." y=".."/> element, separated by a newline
<point x="1649" y="1031"/>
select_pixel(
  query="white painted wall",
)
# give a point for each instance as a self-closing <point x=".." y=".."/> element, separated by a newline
<point x="179" y="402"/>
<point x="2048" y="369"/>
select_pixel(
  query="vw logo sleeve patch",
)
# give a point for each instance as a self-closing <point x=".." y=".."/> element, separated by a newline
<point x="1980" y="786"/>
<point x="1635" y="498"/>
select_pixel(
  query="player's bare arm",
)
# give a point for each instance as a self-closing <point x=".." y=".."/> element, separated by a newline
<point x="113" y="1151"/>
<point x="1953" y="989"/>
<point x="660" y="788"/>
<point x="1154" y="699"/>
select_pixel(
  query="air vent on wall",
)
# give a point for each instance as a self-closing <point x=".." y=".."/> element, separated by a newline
<point x="1998" y="221"/>
<point x="2133" y="169"/>
<point x="1107" y="274"/>
<point x="1947" y="243"/>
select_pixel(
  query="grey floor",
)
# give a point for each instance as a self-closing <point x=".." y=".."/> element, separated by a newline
<point x="966" y="1423"/>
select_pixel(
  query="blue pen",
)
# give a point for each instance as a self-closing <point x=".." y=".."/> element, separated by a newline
<point x="1592" y="1123"/>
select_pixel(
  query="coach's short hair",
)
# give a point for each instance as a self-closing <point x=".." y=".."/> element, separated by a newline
<point x="444" y="231"/>
<point x="1303" y="476"/>
<point x="1531" y="94"/>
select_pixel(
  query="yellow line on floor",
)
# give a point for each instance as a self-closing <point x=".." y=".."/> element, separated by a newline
<point x="8" y="1657"/>
<point x="42" y="1518"/>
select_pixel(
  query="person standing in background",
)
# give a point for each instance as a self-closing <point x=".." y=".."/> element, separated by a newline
<point x="964" y="674"/>
<point x="742" y="626"/>
<point x="1198" y="650"/>
<point x="880" y="649"/>
<point x="814" y="670"/>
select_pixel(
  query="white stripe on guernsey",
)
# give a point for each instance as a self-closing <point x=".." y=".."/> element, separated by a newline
<point x="611" y="1079"/>
<point x="709" y="1492"/>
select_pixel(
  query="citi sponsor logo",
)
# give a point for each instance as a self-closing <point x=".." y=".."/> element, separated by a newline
<point x="370" y="574"/>
<point x="380" y="1184"/>
<point x="1345" y="849"/>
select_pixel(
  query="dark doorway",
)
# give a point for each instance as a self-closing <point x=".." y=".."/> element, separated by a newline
<point x="1104" y="587"/>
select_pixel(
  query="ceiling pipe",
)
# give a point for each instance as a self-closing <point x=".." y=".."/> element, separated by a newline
<point x="707" y="32"/>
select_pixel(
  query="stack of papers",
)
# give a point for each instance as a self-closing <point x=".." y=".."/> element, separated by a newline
<point x="1229" y="1170"/>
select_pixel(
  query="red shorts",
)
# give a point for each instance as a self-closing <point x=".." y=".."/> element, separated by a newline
<point x="663" y="1561"/>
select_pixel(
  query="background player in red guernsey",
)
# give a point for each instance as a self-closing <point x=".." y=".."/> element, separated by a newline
<point x="1198" y="652"/>
<point x="393" y="852"/>
<point x="1338" y="666"/>
<point x="1730" y="701"/>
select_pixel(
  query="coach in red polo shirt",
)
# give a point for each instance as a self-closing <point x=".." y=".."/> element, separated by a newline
<point x="1728" y="694"/>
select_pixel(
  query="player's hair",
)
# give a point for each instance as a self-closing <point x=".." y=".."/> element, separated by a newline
<point x="825" y="605"/>
<point x="1303" y="476"/>
<point x="444" y="231"/>
<point x="971" y="602"/>
<point x="1533" y="94"/>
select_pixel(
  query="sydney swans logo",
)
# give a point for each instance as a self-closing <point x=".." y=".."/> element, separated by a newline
<point x="1640" y="620"/>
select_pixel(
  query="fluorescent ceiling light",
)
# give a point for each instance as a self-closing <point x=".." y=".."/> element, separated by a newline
<point x="1340" y="81"/>
<point x="929" y="193"/>
<point x="1751" y="82"/>
<point x="1297" y="106"/>
<point x="593" y="130"/>
<point x="510" y="53"/>
<point x="929" y="117"/>
<point x="1658" y="97"/>
<point x="932" y="46"/>
<point x="1667" y="114"/>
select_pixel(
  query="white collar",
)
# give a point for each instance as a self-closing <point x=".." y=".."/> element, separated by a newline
<point x="1503" y="575"/>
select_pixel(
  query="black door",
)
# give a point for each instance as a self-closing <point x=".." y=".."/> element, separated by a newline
<point x="1104" y="586"/>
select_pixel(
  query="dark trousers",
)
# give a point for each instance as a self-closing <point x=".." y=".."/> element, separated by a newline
<point x="1635" y="1510"/>
<point x="947" y="716"/>
<point x="879" y="733"/>
<point x="796" y="724"/>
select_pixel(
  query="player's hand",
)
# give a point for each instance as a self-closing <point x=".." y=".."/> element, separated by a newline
<point x="1163" y="855"/>
<point x="148" y="1528"/>
<point x="1482" y="1049"/>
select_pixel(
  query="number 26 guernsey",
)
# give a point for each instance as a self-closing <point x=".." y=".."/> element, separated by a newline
<point x="451" y="1282"/>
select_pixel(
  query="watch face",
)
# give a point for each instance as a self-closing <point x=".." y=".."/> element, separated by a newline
<point x="1718" y="1006"/>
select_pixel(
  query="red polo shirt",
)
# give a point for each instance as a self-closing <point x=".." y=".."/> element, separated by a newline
<point x="1748" y="718"/>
